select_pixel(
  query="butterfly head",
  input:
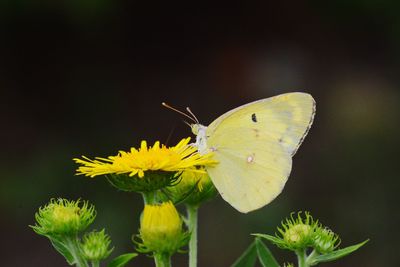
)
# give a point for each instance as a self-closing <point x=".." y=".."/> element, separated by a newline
<point x="201" y="137"/>
<point x="196" y="128"/>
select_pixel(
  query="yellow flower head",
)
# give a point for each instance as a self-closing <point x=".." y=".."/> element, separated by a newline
<point x="137" y="161"/>
<point x="161" y="229"/>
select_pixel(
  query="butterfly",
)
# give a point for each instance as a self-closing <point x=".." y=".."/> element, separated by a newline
<point x="254" y="145"/>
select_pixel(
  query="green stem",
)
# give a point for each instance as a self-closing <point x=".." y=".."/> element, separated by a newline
<point x="95" y="263"/>
<point x="149" y="197"/>
<point x="193" y="217"/>
<point x="310" y="257"/>
<point x="301" y="258"/>
<point x="73" y="246"/>
<point x="162" y="260"/>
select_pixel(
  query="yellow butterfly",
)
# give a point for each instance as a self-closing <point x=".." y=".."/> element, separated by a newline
<point x="254" y="145"/>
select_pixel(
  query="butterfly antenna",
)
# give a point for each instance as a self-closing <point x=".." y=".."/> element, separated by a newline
<point x="191" y="113"/>
<point x="194" y="119"/>
<point x="169" y="135"/>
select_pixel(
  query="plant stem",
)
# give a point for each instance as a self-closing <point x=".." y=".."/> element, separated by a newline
<point x="149" y="197"/>
<point x="73" y="247"/>
<point x="301" y="258"/>
<point x="310" y="258"/>
<point x="193" y="217"/>
<point x="162" y="260"/>
<point x="95" y="264"/>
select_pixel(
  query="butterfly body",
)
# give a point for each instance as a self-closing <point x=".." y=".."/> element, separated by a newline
<point x="254" y="145"/>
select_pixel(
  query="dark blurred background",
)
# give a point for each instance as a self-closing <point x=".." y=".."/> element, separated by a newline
<point x="87" y="78"/>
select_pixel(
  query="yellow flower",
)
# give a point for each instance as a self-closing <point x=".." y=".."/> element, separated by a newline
<point x="181" y="157"/>
<point x="161" y="229"/>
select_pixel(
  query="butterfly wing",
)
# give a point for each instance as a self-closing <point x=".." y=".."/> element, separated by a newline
<point x="254" y="144"/>
<point x="285" y="118"/>
<point x="250" y="174"/>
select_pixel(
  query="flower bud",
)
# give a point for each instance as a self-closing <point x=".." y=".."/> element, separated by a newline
<point x="95" y="246"/>
<point x="64" y="217"/>
<point x="161" y="229"/>
<point x="297" y="233"/>
<point x="193" y="188"/>
<point x="325" y="240"/>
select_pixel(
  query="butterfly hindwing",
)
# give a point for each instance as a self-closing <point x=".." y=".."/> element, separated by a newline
<point x="250" y="174"/>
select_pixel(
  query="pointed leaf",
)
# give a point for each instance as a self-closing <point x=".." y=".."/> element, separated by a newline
<point x="122" y="260"/>
<point x="271" y="238"/>
<point x="337" y="254"/>
<point x="248" y="258"/>
<point x="62" y="249"/>
<point x="264" y="255"/>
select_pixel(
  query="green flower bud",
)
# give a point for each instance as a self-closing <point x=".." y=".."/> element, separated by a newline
<point x="63" y="217"/>
<point x="297" y="233"/>
<point x="325" y="240"/>
<point x="161" y="229"/>
<point x="95" y="246"/>
<point x="193" y="188"/>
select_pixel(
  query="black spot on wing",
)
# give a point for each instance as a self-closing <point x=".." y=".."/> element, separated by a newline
<point x="253" y="117"/>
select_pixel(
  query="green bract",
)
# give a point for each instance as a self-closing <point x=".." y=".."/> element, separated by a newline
<point x="151" y="181"/>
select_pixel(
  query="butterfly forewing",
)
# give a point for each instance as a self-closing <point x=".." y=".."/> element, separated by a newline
<point x="285" y="119"/>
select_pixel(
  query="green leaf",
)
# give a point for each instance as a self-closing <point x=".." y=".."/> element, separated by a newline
<point x="62" y="249"/>
<point x="271" y="238"/>
<point x="337" y="254"/>
<point x="264" y="255"/>
<point x="248" y="258"/>
<point x="122" y="260"/>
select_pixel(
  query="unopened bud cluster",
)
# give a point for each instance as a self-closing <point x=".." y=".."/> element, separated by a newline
<point x="302" y="232"/>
